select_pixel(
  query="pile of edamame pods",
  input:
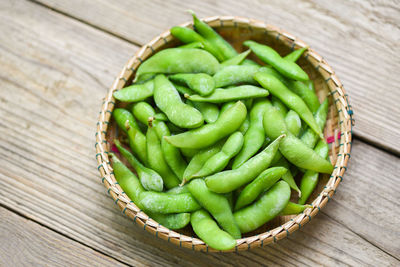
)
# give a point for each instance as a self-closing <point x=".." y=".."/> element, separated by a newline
<point x="215" y="138"/>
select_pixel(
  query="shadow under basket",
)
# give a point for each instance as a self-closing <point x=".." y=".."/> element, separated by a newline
<point x="338" y="130"/>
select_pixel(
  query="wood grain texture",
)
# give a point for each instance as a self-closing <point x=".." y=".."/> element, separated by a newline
<point x="53" y="73"/>
<point x="26" y="243"/>
<point x="359" y="39"/>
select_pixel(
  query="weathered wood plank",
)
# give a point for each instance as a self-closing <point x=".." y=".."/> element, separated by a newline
<point x="54" y="74"/>
<point x="358" y="38"/>
<point x="26" y="243"/>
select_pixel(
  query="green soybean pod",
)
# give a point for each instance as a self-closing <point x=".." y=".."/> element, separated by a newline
<point x="293" y="122"/>
<point x="201" y="83"/>
<point x="236" y="60"/>
<point x="189" y="153"/>
<point x="135" y="92"/>
<point x="216" y="204"/>
<point x="168" y="101"/>
<point x="157" y="161"/>
<point x="309" y="97"/>
<point x="227" y="181"/>
<point x="235" y="74"/>
<point x="199" y="160"/>
<point x="208" y="230"/>
<point x="171" y="221"/>
<point x="293" y="209"/>
<point x="179" y="60"/>
<point x="214" y="38"/>
<point x="231" y="94"/>
<point x="206" y="135"/>
<point x="149" y="178"/>
<point x="123" y="117"/>
<point x="187" y="35"/>
<point x="144" y="112"/>
<point x="288" y="176"/>
<point x="137" y="142"/>
<point x="310" y="178"/>
<point x="263" y="210"/>
<point x="270" y="56"/>
<point x="209" y="111"/>
<point x="164" y="203"/>
<point x="249" y="62"/>
<point x="263" y="182"/>
<point x="279" y="106"/>
<point x="160" y="117"/>
<point x="192" y="45"/>
<point x="290" y="99"/>
<point x="309" y="138"/>
<point x="183" y="89"/>
<point x="178" y="190"/>
<point x="246" y="123"/>
<point x="296" y="54"/>
<point x="254" y="136"/>
<point x="219" y="161"/>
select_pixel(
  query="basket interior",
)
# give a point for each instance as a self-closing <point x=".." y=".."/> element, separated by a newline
<point x="236" y="35"/>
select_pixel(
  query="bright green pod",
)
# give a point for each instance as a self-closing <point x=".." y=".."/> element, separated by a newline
<point x="123" y="118"/>
<point x="179" y="60"/>
<point x="265" y="209"/>
<point x="135" y="92"/>
<point x="236" y="60"/>
<point x="249" y="62"/>
<point x="263" y="182"/>
<point x="216" y="204"/>
<point x="208" y="231"/>
<point x="270" y="56"/>
<point x="309" y="97"/>
<point x="227" y="181"/>
<point x="199" y="159"/>
<point x="169" y="102"/>
<point x="279" y="106"/>
<point x="310" y="178"/>
<point x="189" y="36"/>
<point x="178" y="190"/>
<point x="220" y="160"/>
<point x="209" y="111"/>
<point x="149" y="178"/>
<point x="160" y="117"/>
<point x="137" y="143"/>
<point x="157" y="161"/>
<point x="232" y="94"/>
<point x="288" y="176"/>
<point x="171" y="221"/>
<point x="235" y="74"/>
<point x="214" y="38"/>
<point x="189" y="153"/>
<point x="246" y="123"/>
<point x="293" y="122"/>
<point x="183" y="89"/>
<point x="293" y="209"/>
<point x="192" y="45"/>
<point x="168" y="203"/>
<point x="254" y="136"/>
<point x="291" y="100"/>
<point x="296" y="54"/>
<point x="201" y="83"/>
<point x="206" y="135"/>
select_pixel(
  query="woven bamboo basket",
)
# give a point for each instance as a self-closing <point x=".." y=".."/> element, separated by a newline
<point x="338" y="130"/>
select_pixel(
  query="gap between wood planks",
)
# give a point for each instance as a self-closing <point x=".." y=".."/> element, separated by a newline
<point x="367" y="140"/>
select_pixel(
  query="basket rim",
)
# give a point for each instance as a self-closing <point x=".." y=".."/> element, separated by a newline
<point x="131" y="210"/>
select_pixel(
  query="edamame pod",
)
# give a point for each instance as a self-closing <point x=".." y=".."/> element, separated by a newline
<point x="201" y="83"/>
<point x="279" y="106"/>
<point x="178" y="190"/>
<point x="309" y="97"/>
<point x="207" y="229"/>
<point x="310" y="178"/>
<point x="296" y="54"/>
<point x="263" y="182"/>
<point x="249" y="62"/>
<point x="168" y="100"/>
<point x="293" y="101"/>
<point x="209" y="111"/>
<point x="236" y="60"/>
<point x="293" y="122"/>
<point x="214" y="38"/>
<point x="216" y="204"/>
<point x="271" y="57"/>
<point x="219" y="161"/>
<point x="192" y="45"/>
<point x="183" y="89"/>
<point x="149" y="179"/>
<point x="227" y="181"/>
<point x="187" y="35"/>
<point x="137" y="142"/>
<point x="254" y="136"/>
<point x="171" y="221"/>
<point x="189" y="152"/>
<point x="199" y="159"/>
<point x="293" y="208"/>
<point x="135" y="92"/>
<point x="288" y="176"/>
<point x="160" y="117"/>
<point x="157" y="161"/>
<point x="206" y="135"/>
<point x="264" y="209"/>
<point x="122" y="116"/>
<point x="168" y="203"/>
<point x="235" y="74"/>
<point x="179" y="60"/>
<point x="231" y="94"/>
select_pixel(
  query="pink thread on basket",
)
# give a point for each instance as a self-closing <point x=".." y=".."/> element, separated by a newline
<point x="114" y="148"/>
<point x="331" y="139"/>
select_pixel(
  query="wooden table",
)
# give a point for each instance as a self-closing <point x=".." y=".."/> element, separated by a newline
<point x="57" y="61"/>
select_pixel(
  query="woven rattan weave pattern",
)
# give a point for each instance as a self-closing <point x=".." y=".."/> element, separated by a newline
<point x="338" y="130"/>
